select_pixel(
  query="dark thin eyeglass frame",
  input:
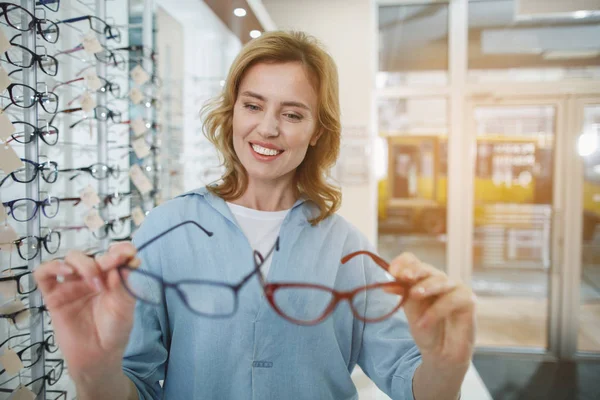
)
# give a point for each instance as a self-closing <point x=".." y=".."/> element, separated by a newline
<point x="34" y="23"/>
<point x="35" y="131"/>
<point x="337" y="296"/>
<point x="125" y="270"/>
<point x="110" y="171"/>
<point x="38" y="97"/>
<point x="38" y="203"/>
<point x="38" y="167"/>
<point x="17" y="278"/>
<point x="46" y="345"/>
<point x="13" y="316"/>
<point x="40" y="240"/>
<point x="108" y="29"/>
<point x="34" y="57"/>
<point x="110" y="226"/>
<point x="50" y="378"/>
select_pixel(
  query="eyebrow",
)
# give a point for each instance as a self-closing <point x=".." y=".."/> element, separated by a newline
<point x="283" y="103"/>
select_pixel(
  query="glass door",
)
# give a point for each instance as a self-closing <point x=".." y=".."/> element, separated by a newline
<point x="514" y="234"/>
<point x="587" y="291"/>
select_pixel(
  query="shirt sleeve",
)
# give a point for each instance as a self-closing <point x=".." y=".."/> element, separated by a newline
<point x="146" y="354"/>
<point x="388" y="354"/>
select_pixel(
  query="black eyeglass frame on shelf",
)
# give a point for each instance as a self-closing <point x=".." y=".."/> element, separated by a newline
<point x="51" y="178"/>
<point x="34" y="22"/>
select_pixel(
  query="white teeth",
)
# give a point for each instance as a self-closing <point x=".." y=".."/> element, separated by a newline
<point x="264" y="151"/>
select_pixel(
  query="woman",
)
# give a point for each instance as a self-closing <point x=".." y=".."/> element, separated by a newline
<point x="277" y="125"/>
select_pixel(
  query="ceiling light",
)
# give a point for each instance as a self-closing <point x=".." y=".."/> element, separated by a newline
<point x="254" y="34"/>
<point x="239" y="12"/>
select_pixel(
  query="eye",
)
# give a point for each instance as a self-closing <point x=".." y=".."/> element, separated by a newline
<point x="251" y="107"/>
<point x="293" y="116"/>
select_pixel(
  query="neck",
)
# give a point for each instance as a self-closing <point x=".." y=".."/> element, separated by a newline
<point x="264" y="196"/>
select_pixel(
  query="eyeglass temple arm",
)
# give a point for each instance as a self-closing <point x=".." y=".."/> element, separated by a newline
<point x="257" y="266"/>
<point x="378" y="260"/>
<point x="71" y="20"/>
<point x="148" y="242"/>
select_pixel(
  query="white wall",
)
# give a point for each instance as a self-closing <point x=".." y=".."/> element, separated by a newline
<point x="347" y="29"/>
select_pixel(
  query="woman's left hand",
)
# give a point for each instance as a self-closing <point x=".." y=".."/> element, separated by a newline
<point x="440" y="312"/>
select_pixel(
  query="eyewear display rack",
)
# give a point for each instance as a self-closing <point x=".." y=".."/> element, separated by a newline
<point x="79" y="166"/>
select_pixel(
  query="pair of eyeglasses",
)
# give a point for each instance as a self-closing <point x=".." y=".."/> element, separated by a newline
<point x="23" y="57"/>
<point x="101" y="113"/>
<point x="115" y="198"/>
<point x="26" y="133"/>
<point x="24" y="96"/>
<point x="32" y="353"/>
<point x="98" y="171"/>
<point x="300" y="303"/>
<point x="107" y="87"/>
<point x="20" y="19"/>
<point x="109" y="30"/>
<point x="25" y="209"/>
<point x="29" y="247"/>
<point x="105" y="56"/>
<point x="115" y="226"/>
<point x="48" y="169"/>
<point x="49" y="379"/>
<point x="20" y="320"/>
<point x="24" y="281"/>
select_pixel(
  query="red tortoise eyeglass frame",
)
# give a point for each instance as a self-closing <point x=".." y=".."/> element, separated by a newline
<point x="271" y="288"/>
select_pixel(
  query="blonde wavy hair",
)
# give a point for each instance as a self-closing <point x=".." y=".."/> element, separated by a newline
<point x="311" y="175"/>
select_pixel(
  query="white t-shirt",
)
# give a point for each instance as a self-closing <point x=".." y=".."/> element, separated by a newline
<point x="260" y="227"/>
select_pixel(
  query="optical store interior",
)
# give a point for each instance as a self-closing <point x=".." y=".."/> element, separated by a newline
<point x="470" y="137"/>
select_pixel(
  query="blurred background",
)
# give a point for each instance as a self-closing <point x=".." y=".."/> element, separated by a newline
<point x="470" y="137"/>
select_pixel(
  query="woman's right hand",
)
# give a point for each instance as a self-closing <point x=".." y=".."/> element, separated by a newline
<point x="92" y="313"/>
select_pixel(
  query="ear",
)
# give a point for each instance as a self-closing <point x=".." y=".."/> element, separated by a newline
<point x="315" y="138"/>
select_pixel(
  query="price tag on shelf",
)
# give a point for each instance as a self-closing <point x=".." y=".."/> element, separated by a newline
<point x="138" y="216"/>
<point x="4" y="80"/>
<point x="139" y="179"/>
<point x="6" y="127"/>
<point x="12" y="307"/>
<point x="9" y="160"/>
<point x="138" y="126"/>
<point x="140" y="147"/>
<point x="10" y="361"/>
<point x="92" y="81"/>
<point x="4" y="43"/>
<point x="91" y="44"/>
<point x="136" y="96"/>
<point x="3" y="214"/>
<point x="22" y="393"/>
<point x="89" y="196"/>
<point x="8" y="289"/>
<point x="139" y="76"/>
<point x="92" y="220"/>
<point x="87" y="102"/>
<point x="7" y="237"/>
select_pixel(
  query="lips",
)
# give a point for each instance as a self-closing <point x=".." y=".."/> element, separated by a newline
<point x="269" y="151"/>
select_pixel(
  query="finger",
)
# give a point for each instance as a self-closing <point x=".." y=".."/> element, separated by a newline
<point x="407" y="267"/>
<point x="86" y="267"/>
<point x="118" y="254"/>
<point x="435" y="285"/>
<point x="458" y="300"/>
<point x="45" y="275"/>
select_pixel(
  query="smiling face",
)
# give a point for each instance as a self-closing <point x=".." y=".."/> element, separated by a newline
<point x="274" y="120"/>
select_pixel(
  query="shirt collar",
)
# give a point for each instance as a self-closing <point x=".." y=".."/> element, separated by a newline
<point x="221" y="206"/>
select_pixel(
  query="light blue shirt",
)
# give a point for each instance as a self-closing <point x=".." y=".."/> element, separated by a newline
<point x="256" y="354"/>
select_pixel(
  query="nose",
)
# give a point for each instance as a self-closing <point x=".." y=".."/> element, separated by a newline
<point x="268" y="126"/>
